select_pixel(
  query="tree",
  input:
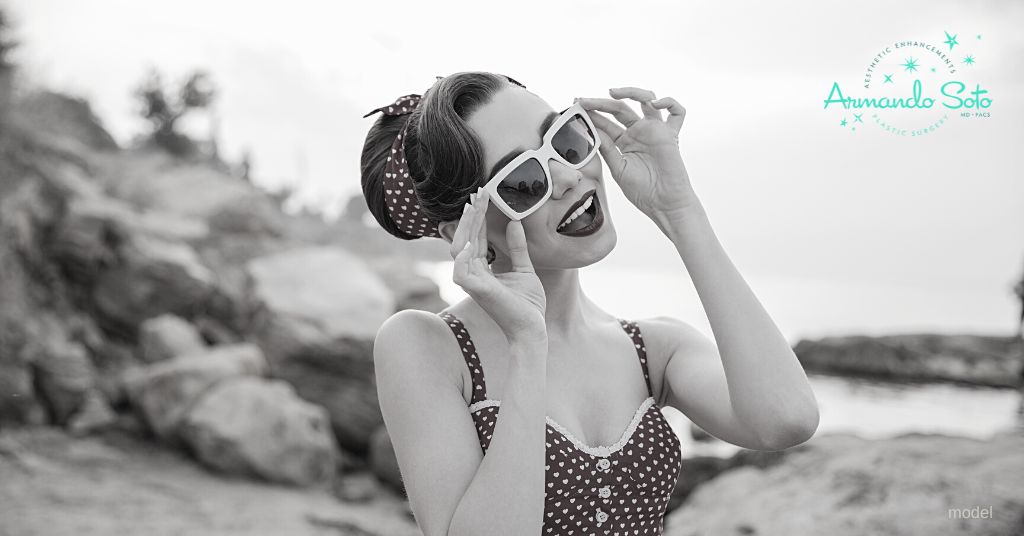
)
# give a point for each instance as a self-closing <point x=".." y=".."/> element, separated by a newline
<point x="7" y="44"/>
<point x="163" y="113"/>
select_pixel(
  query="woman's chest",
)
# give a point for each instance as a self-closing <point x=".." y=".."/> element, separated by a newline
<point x="644" y="463"/>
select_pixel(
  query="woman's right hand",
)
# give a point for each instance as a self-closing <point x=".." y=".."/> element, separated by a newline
<point x="515" y="299"/>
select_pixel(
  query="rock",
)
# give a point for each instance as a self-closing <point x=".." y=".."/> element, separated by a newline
<point x="64" y="374"/>
<point x="974" y="359"/>
<point x="351" y="400"/>
<point x="256" y="426"/>
<point x="697" y="470"/>
<point x="119" y="483"/>
<point x="164" y="392"/>
<point x="94" y="415"/>
<point x="154" y="278"/>
<point x="357" y="487"/>
<point x="113" y="360"/>
<point x="90" y="235"/>
<point x="321" y="308"/>
<point x="412" y="290"/>
<point x="18" y="401"/>
<point x="168" y="336"/>
<point x="66" y="116"/>
<point x="319" y="296"/>
<point x="844" y="485"/>
<point x="383" y="461"/>
<point x="700" y="469"/>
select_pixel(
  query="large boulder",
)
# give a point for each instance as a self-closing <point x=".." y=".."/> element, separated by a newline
<point x="256" y="426"/>
<point x="412" y="289"/>
<point x="154" y="277"/>
<point x="351" y="401"/>
<point x="320" y="311"/>
<point x="168" y="336"/>
<point x="916" y="484"/>
<point x="319" y="296"/>
<point x="164" y="392"/>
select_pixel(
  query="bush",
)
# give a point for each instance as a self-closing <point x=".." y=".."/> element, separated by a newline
<point x="163" y="112"/>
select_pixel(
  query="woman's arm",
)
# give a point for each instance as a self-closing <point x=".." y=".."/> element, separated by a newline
<point x="750" y="390"/>
<point x="453" y="489"/>
<point x="755" y="391"/>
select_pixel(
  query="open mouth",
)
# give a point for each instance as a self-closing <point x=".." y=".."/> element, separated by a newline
<point x="583" y="218"/>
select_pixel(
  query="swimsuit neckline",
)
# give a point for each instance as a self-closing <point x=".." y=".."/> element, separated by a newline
<point x="599" y="450"/>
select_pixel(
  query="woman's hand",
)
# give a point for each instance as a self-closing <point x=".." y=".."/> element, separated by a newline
<point x="515" y="299"/>
<point x="643" y="152"/>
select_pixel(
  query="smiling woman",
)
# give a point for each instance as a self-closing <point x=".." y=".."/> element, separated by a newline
<point x="564" y="433"/>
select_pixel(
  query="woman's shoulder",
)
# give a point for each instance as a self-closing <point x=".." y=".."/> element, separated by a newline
<point x="665" y="334"/>
<point x="417" y="338"/>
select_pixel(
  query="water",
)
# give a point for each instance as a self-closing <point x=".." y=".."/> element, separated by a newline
<point x="868" y="408"/>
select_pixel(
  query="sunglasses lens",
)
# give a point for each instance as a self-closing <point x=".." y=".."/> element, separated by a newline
<point x="574" y="141"/>
<point x="525" y="186"/>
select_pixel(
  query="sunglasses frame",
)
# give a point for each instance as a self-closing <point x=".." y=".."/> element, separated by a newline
<point x="542" y="154"/>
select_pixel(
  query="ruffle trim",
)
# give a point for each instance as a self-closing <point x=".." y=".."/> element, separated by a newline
<point x="603" y="450"/>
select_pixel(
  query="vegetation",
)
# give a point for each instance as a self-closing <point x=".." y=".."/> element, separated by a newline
<point x="163" y="109"/>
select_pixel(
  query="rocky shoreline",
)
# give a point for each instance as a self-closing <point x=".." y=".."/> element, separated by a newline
<point x="178" y="354"/>
<point x="992" y="361"/>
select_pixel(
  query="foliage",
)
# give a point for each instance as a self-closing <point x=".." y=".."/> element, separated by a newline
<point x="164" y="111"/>
<point x="7" y="44"/>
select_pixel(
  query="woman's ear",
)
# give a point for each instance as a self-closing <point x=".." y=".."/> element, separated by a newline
<point x="447" y="229"/>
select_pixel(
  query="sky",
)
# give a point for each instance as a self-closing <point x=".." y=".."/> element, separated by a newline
<point x="836" y="230"/>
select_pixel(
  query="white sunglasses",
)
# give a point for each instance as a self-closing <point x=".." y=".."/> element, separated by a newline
<point x="524" y="184"/>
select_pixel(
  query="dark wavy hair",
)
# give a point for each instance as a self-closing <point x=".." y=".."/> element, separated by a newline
<point x="445" y="159"/>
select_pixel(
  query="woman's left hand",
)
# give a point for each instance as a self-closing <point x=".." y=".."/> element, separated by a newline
<point x="643" y="152"/>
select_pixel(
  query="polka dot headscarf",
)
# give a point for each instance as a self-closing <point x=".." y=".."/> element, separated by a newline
<point x="399" y="192"/>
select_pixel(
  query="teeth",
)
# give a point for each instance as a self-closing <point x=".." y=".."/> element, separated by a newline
<point x="576" y="213"/>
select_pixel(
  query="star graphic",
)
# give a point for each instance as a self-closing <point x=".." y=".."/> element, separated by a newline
<point x="853" y="128"/>
<point x="911" y="64"/>
<point x="888" y="79"/>
<point x="969" y="60"/>
<point x="843" y="122"/>
<point x="979" y="36"/>
<point x="857" y="119"/>
<point x="933" y="69"/>
<point x="951" y="40"/>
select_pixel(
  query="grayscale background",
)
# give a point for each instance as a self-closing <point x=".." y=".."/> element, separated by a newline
<point x="172" y="300"/>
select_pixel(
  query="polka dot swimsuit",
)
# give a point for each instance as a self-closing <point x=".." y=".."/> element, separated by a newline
<point x="618" y="489"/>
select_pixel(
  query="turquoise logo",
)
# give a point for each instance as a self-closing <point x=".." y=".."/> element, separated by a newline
<point x="914" y="88"/>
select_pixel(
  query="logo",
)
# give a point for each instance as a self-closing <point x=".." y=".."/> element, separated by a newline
<point x="914" y="88"/>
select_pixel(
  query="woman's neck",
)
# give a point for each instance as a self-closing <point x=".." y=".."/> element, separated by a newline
<point x="568" y="308"/>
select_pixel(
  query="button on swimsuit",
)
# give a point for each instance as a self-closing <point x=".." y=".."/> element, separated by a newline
<point x="618" y="489"/>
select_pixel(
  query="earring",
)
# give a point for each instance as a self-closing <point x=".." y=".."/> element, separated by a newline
<point x="490" y="254"/>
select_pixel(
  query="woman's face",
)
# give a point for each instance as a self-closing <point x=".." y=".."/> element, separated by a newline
<point x="512" y="122"/>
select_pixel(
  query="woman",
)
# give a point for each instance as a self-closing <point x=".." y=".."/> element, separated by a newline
<point x="579" y="445"/>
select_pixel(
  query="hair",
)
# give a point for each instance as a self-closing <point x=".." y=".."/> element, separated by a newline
<point x="444" y="157"/>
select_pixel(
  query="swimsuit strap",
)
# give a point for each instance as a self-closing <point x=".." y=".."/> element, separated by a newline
<point x="476" y="371"/>
<point x="633" y="330"/>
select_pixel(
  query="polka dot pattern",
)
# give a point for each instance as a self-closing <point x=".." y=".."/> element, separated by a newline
<point x="617" y="489"/>
<point x="399" y="193"/>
